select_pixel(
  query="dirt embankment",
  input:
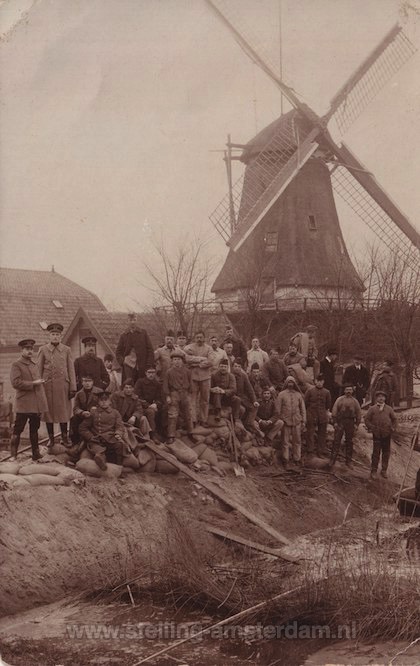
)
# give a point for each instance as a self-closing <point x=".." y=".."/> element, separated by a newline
<point x="58" y="540"/>
<point x="55" y="541"/>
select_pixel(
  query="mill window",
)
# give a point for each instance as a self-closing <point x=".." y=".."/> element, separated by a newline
<point x="312" y="223"/>
<point x="271" y="240"/>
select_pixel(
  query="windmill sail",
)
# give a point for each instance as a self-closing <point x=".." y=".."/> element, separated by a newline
<point x="372" y="75"/>
<point x="360" y="190"/>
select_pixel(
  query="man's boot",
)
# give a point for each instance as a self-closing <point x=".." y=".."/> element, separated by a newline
<point x="65" y="439"/>
<point x="14" y="445"/>
<point x="99" y="458"/>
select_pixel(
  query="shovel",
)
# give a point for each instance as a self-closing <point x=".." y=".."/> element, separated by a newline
<point x="237" y="468"/>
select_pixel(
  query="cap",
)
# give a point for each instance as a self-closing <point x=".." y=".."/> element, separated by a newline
<point x="150" y="367"/>
<point x="255" y="366"/>
<point x="87" y="375"/>
<point x="348" y="385"/>
<point x="28" y="342"/>
<point x="103" y="394"/>
<point x="380" y="393"/>
<point x="128" y="382"/>
<point x="320" y="377"/>
<point x="170" y="333"/>
<point x="224" y="361"/>
<point x="89" y="338"/>
<point x="181" y="334"/>
<point x="55" y="328"/>
<point x="177" y="354"/>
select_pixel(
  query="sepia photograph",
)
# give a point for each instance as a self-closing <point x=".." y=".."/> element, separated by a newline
<point x="209" y="332"/>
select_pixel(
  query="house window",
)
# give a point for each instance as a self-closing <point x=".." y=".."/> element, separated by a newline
<point x="312" y="223"/>
<point x="271" y="240"/>
<point x="58" y="305"/>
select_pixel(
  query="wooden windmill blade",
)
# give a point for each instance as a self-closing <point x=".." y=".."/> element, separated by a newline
<point x="379" y="67"/>
<point x="362" y="192"/>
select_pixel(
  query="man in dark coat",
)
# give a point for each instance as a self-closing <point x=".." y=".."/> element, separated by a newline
<point x="149" y="391"/>
<point x="327" y="369"/>
<point x="275" y="371"/>
<point x="381" y="421"/>
<point x="268" y="419"/>
<point x="31" y="400"/>
<point x="386" y="381"/>
<point x="104" y="432"/>
<point x="84" y="401"/>
<point x="258" y="382"/>
<point x="357" y="375"/>
<point x="129" y="406"/>
<point x="318" y="404"/>
<point x="245" y="392"/>
<point x="90" y="364"/>
<point x="134" y="351"/>
<point x="239" y="350"/>
<point x="223" y="391"/>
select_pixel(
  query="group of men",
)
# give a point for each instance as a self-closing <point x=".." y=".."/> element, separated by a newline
<point x="274" y="398"/>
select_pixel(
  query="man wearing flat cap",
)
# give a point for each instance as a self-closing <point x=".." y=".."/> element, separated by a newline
<point x="90" y="364"/>
<point x="31" y="401"/>
<point x="56" y="366"/>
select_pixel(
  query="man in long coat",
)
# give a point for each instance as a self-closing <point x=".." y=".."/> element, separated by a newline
<point x="31" y="401"/>
<point x="134" y="351"/>
<point x="90" y="364"/>
<point x="357" y="375"/>
<point x="56" y="367"/>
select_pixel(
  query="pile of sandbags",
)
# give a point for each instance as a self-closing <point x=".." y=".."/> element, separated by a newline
<point x="15" y="474"/>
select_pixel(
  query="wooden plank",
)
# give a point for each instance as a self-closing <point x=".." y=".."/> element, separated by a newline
<point x="250" y="544"/>
<point x="219" y="493"/>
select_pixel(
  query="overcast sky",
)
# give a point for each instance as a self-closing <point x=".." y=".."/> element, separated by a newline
<point x="111" y="110"/>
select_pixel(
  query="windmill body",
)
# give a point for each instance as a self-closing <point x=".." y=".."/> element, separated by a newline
<point x="280" y="220"/>
<point x="297" y="251"/>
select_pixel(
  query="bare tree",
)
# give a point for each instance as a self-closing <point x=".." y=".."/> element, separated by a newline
<point x="179" y="282"/>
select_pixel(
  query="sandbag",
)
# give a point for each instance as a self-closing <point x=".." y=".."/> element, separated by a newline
<point x="200" y="448"/>
<point x="144" y="455"/>
<point x="253" y="455"/>
<point x="222" y="431"/>
<point x="198" y="439"/>
<point x="201" y="430"/>
<point x="225" y="466"/>
<point x="57" y="449"/>
<point x="266" y="452"/>
<point x="12" y="480"/>
<point x="131" y="461"/>
<point x="112" y="471"/>
<point x="163" y="467"/>
<point x="9" y="467"/>
<point x="187" y="442"/>
<point x="182" y="452"/>
<point x="150" y="466"/>
<point x="45" y="480"/>
<point x="209" y="456"/>
<point x="86" y="455"/>
<point x="88" y="467"/>
<point x="46" y="469"/>
<point x="245" y="446"/>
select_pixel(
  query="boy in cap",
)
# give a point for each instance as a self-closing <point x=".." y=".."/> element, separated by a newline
<point x="56" y="366"/>
<point x="114" y="377"/>
<point x="103" y="431"/>
<point x="177" y="388"/>
<point x="381" y="421"/>
<point x="91" y="365"/>
<point x="31" y="400"/>
<point x="346" y="415"/>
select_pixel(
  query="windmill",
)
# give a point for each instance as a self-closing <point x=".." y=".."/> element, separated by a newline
<point x="279" y="219"/>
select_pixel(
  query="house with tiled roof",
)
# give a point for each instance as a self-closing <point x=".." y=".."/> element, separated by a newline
<point x="29" y="301"/>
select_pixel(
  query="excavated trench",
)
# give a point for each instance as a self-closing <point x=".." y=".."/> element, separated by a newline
<point x="59" y="546"/>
